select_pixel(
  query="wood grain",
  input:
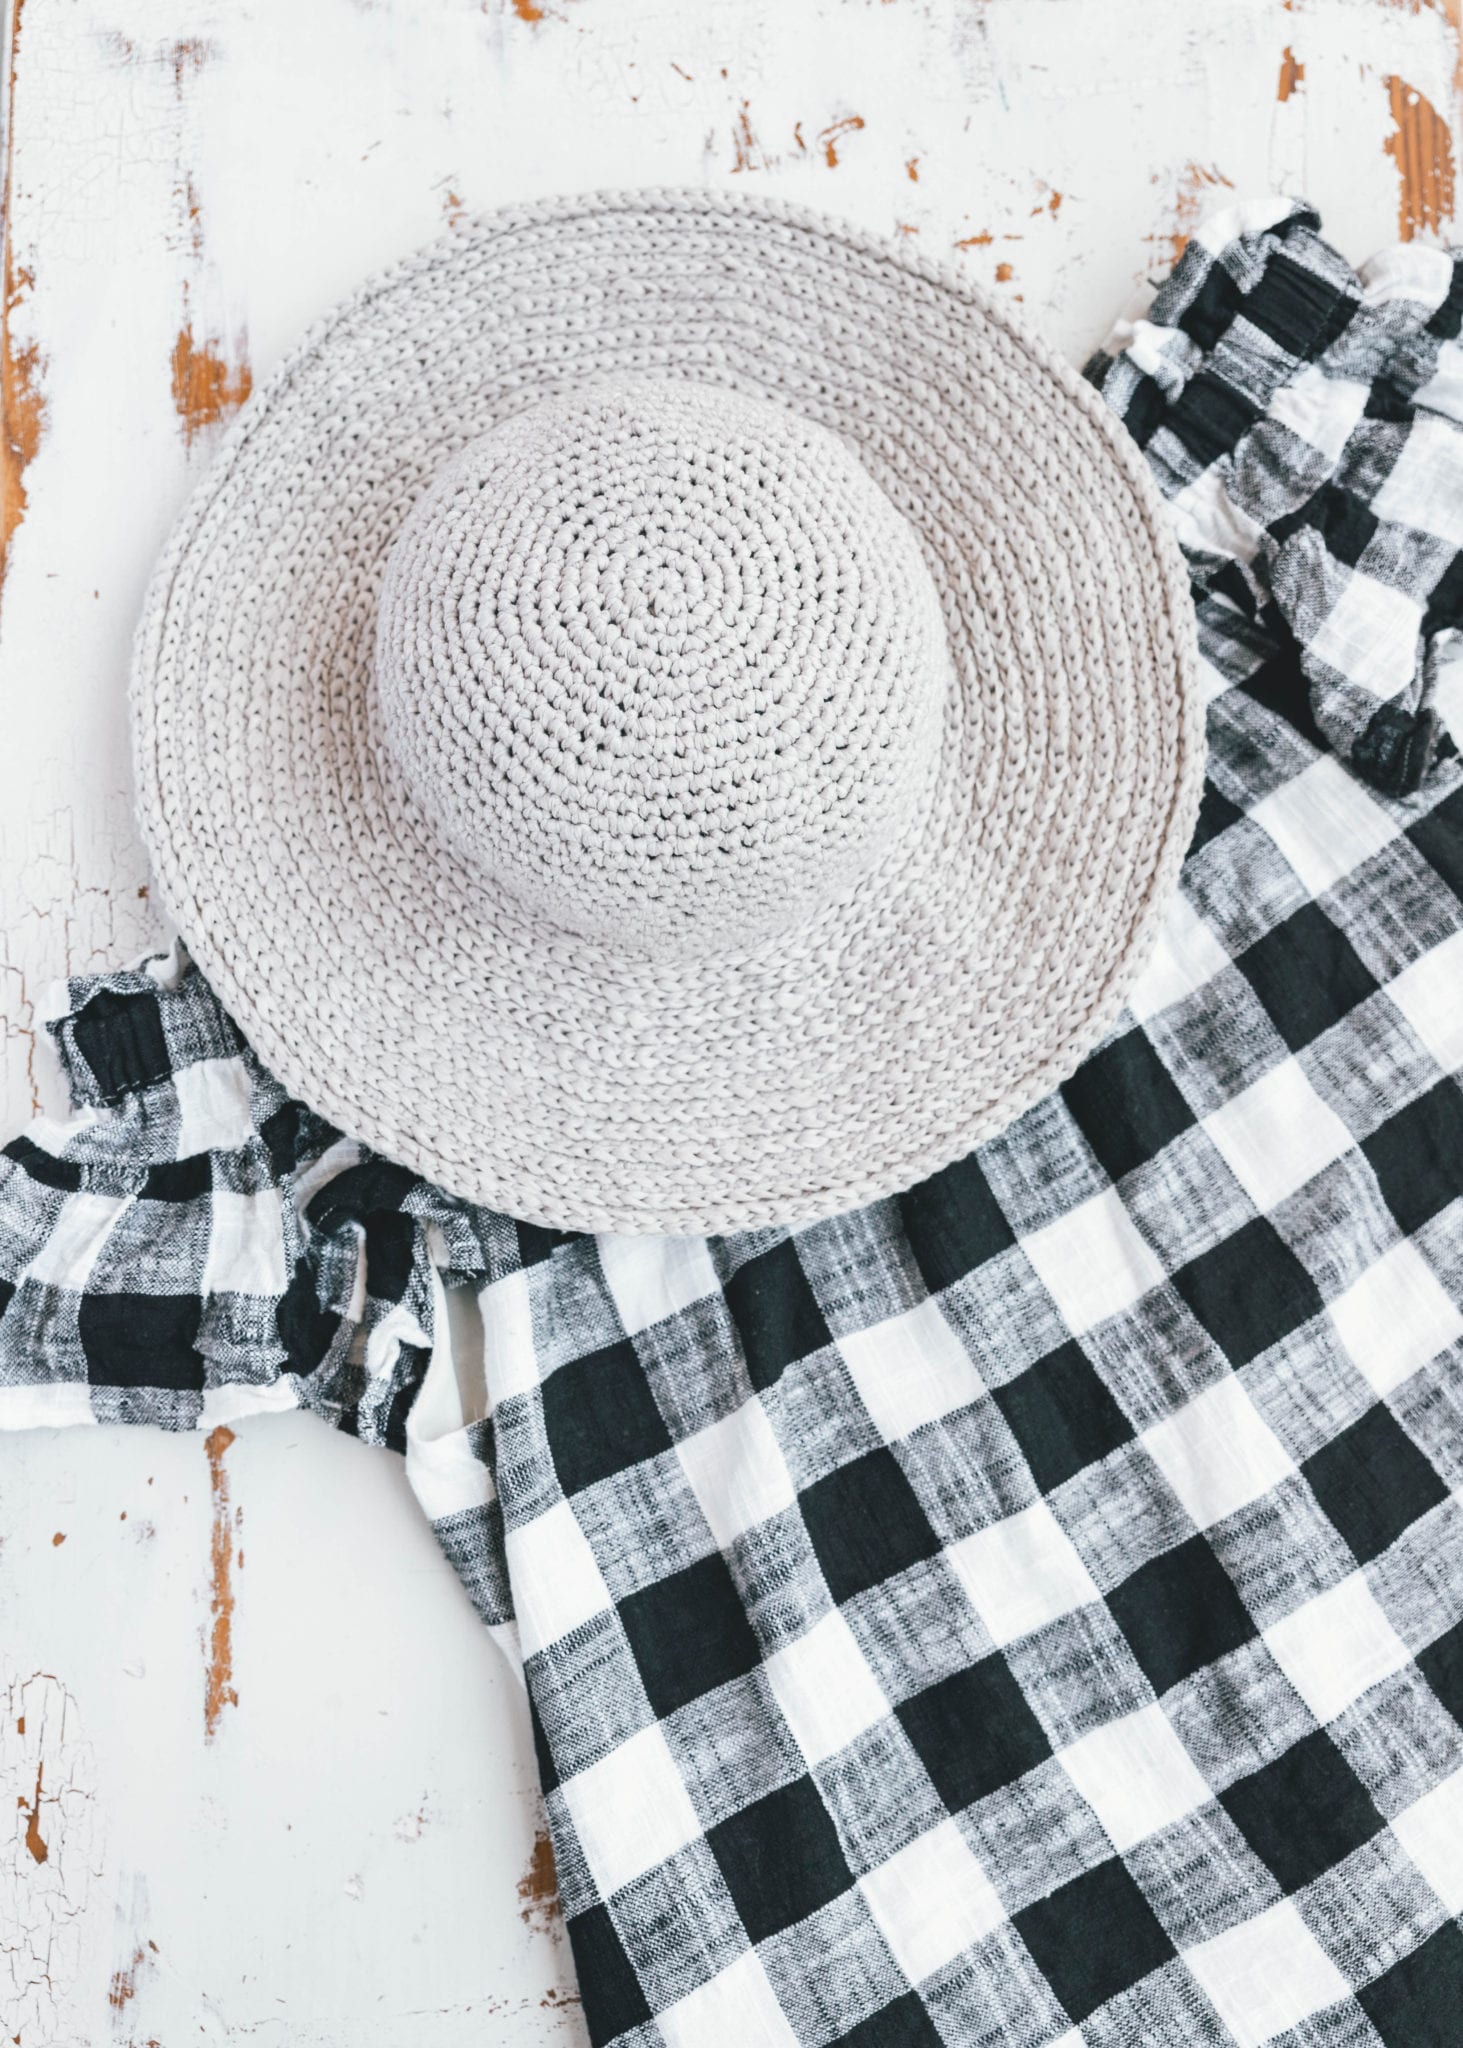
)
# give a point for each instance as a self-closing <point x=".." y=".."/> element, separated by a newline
<point x="1422" y="148"/>
<point x="281" y="1793"/>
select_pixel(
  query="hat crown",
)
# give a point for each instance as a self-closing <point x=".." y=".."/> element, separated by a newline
<point x="664" y="662"/>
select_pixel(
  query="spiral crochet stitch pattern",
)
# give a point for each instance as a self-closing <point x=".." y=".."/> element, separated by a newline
<point x="670" y="714"/>
<point x="666" y="662"/>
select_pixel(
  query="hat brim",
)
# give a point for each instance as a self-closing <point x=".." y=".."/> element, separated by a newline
<point x="398" y="994"/>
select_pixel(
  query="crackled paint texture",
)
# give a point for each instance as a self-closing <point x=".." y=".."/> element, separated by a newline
<point x="52" y="1865"/>
<point x="293" y="1803"/>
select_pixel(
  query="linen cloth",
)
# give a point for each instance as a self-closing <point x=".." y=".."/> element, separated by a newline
<point x="1027" y="1611"/>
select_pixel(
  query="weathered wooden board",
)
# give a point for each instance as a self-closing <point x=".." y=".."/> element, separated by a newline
<point x="267" y="1775"/>
<point x="268" y="1783"/>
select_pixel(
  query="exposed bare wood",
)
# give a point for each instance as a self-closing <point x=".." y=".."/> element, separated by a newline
<point x="185" y="188"/>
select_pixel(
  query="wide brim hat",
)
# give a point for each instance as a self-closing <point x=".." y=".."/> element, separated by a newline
<point x="670" y="714"/>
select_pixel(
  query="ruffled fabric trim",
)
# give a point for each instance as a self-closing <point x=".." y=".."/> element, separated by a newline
<point x="192" y="1245"/>
<point x="1305" y="421"/>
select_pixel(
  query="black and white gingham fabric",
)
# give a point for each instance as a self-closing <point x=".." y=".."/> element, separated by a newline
<point x="1302" y="419"/>
<point x="1027" y="1612"/>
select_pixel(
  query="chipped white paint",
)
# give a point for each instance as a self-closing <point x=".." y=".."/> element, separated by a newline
<point x="339" y="1867"/>
<point x="50" y="1867"/>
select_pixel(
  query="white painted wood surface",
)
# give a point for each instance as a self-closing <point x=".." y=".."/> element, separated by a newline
<point x="268" y="1783"/>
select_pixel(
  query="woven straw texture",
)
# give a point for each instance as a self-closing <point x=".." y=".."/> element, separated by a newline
<point x="670" y="714"/>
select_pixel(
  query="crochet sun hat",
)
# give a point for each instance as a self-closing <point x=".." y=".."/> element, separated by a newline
<point x="670" y="714"/>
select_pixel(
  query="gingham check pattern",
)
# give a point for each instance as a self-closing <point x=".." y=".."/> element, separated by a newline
<point x="1302" y="419"/>
<point x="1028" y="1611"/>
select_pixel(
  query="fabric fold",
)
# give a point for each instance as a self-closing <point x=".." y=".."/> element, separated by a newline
<point x="157" y="1247"/>
<point x="1304" y="421"/>
<point x="192" y="1247"/>
<point x="1073" y="1541"/>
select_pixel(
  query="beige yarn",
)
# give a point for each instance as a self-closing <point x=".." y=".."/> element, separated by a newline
<point x="670" y="713"/>
<point x="665" y="663"/>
